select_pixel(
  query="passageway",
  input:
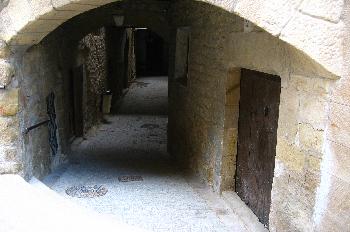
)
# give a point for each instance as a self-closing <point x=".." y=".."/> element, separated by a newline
<point x="175" y="115"/>
<point x="134" y="143"/>
<point x="148" y="96"/>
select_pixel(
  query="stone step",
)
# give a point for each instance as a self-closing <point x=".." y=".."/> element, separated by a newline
<point x="249" y="219"/>
<point x="35" y="207"/>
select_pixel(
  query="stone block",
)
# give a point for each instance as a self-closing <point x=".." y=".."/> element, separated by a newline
<point x="323" y="41"/>
<point x="231" y="116"/>
<point x="312" y="85"/>
<point x="8" y="102"/>
<point x="60" y="3"/>
<point x="8" y="154"/>
<point x="10" y="168"/>
<point x="8" y="130"/>
<point x="309" y="138"/>
<point x="4" y="50"/>
<point x="341" y="93"/>
<point x="60" y="14"/>
<point x="233" y="78"/>
<point x="290" y="155"/>
<point x="288" y="114"/>
<point x="233" y="96"/>
<point x="340" y="161"/>
<point x="312" y="178"/>
<point x="94" y="2"/>
<point x="42" y="26"/>
<point x="329" y="10"/>
<point x="14" y="17"/>
<point x="27" y="38"/>
<point x="339" y="124"/>
<point x="40" y="7"/>
<point x="313" y="110"/>
<point x="265" y="45"/>
<point x="313" y="163"/>
<point x="230" y="142"/>
<point x="6" y="72"/>
<point x="263" y="14"/>
<point x="68" y="5"/>
<point x="336" y="217"/>
<point x="291" y="203"/>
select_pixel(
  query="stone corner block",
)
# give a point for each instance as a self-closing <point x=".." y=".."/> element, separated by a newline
<point x="9" y="132"/>
<point x="6" y="73"/>
<point x="10" y="168"/>
<point x="329" y="10"/>
<point x="4" y="49"/>
<point x="9" y="102"/>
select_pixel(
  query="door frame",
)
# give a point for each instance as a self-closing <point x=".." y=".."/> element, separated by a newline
<point x="256" y="154"/>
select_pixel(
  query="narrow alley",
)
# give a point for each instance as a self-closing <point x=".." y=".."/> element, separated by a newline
<point x="134" y="144"/>
<point x="163" y="115"/>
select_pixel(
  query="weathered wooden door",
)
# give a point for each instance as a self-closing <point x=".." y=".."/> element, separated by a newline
<point x="257" y="138"/>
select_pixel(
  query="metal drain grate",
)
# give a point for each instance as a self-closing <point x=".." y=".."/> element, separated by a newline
<point x="86" y="191"/>
<point x="150" y="126"/>
<point x="130" y="178"/>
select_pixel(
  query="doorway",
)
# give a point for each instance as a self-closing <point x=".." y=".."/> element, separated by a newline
<point x="77" y="79"/>
<point x="257" y="138"/>
<point x="151" y="52"/>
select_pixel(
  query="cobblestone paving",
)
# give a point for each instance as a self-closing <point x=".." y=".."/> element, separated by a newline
<point x="165" y="200"/>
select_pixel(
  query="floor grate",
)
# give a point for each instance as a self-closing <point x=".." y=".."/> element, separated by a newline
<point x="130" y="178"/>
<point x="150" y="126"/>
<point x="86" y="191"/>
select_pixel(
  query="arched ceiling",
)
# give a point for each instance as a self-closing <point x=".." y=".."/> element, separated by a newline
<point x="316" y="31"/>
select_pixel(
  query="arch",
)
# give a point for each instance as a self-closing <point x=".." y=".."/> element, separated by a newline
<point x="295" y="22"/>
<point x="91" y="20"/>
<point x="314" y="42"/>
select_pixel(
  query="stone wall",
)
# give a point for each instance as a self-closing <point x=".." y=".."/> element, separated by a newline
<point x="121" y="61"/>
<point x="95" y="62"/>
<point x="311" y="184"/>
<point x="131" y="57"/>
<point x="204" y="134"/>
<point x="10" y="159"/>
<point x="333" y="205"/>
<point x="46" y="68"/>
<point x="299" y="23"/>
<point x="31" y="73"/>
<point x="37" y="81"/>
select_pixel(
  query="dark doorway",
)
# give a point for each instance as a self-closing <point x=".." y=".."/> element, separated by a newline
<point x="126" y="64"/>
<point x="151" y="54"/>
<point x="77" y="89"/>
<point x="257" y="138"/>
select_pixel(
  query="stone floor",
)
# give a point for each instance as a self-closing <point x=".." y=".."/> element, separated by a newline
<point x="147" y="96"/>
<point x="133" y="143"/>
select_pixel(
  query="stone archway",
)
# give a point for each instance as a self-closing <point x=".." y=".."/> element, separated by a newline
<point x="312" y="51"/>
<point x="27" y="23"/>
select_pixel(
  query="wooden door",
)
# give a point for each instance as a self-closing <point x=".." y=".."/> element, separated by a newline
<point x="257" y="138"/>
<point x="78" y="78"/>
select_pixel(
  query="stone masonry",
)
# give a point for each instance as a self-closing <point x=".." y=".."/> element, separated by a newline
<point x="305" y="42"/>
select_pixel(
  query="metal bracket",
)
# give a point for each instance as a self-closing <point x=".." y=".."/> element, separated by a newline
<point x="26" y="131"/>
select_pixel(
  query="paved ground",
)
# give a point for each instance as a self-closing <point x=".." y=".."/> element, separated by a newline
<point x="33" y="207"/>
<point x="147" y="96"/>
<point x="135" y="144"/>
